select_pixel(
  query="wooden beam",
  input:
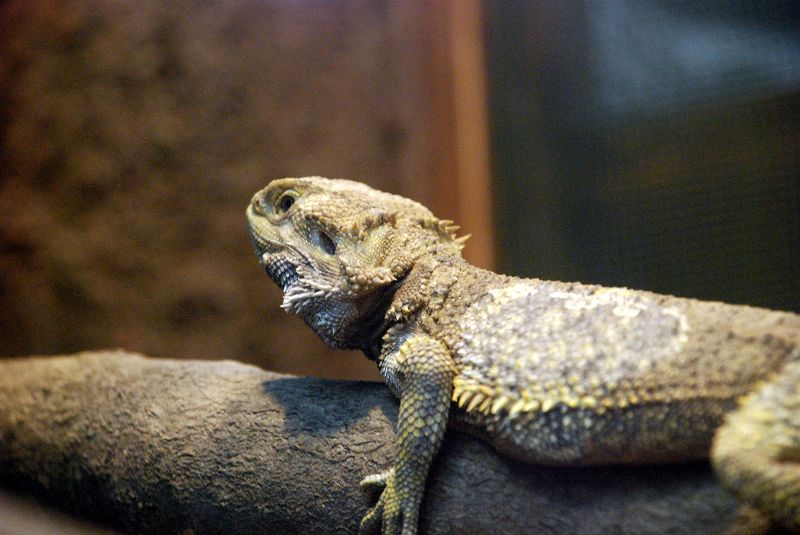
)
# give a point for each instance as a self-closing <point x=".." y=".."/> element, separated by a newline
<point x="456" y="81"/>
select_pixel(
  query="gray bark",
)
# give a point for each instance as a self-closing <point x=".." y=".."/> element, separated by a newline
<point x="162" y="446"/>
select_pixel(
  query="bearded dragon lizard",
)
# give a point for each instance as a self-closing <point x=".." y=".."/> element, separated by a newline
<point x="547" y="372"/>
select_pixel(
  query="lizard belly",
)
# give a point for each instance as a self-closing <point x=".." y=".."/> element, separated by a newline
<point x="572" y="374"/>
<point x="565" y="436"/>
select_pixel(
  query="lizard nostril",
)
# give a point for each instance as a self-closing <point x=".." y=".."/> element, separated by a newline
<point x="258" y="204"/>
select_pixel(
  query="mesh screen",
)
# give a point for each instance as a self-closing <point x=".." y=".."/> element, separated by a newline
<point x="650" y="144"/>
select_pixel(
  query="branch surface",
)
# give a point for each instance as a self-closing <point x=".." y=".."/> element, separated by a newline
<point x="163" y="446"/>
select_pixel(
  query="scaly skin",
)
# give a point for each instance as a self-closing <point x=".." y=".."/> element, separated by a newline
<point x="547" y="372"/>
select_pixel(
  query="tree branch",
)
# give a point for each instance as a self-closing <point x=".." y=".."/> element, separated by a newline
<point x="160" y="446"/>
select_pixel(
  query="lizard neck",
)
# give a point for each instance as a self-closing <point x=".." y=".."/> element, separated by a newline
<point x="417" y="308"/>
<point x="418" y="298"/>
<point x="413" y="291"/>
<point x="378" y="323"/>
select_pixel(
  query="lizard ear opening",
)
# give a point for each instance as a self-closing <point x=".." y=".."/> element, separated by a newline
<point x="323" y="241"/>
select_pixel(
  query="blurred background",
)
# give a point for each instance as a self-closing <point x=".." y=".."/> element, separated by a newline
<point x="649" y="144"/>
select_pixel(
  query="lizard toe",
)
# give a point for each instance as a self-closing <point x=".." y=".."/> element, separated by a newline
<point x="375" y="483"/>
<point x="371" y="523"/>
<point x="400" y="513"/>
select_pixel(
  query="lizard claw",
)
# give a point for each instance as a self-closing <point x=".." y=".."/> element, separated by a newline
<point x="393" y="514"/>
<point x="373" y="484"/>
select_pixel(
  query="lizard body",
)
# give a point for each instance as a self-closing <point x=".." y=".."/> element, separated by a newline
<point x="548" y="372"/>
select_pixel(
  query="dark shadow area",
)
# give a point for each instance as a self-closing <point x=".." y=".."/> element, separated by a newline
<point x="322" y="407"/>
<point x="21" y="514"/>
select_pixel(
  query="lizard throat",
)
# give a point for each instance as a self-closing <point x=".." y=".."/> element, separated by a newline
<point x="380" y="324"/>
<point x="282" y="272"/>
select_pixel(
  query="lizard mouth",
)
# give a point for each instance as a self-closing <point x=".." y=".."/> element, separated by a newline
<point x="279" y="269"/>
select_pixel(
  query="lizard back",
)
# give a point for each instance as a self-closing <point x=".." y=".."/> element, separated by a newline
<point x="570" y="373"/>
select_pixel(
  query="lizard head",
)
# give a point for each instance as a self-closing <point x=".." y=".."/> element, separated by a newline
<point x="339" y="250"/>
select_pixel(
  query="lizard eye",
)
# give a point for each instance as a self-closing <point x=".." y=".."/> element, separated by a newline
<point x="285" y="201"/>
<point x="324" y="242"/>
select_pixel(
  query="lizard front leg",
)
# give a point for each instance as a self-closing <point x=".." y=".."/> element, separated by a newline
<point x="425" y="372"/>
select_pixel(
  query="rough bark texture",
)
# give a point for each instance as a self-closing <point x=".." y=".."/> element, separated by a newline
<point x="162" y="446"/>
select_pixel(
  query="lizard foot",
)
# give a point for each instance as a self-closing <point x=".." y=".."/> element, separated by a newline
<point x="757" y="451"/>
<point x="395" y="512"/>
